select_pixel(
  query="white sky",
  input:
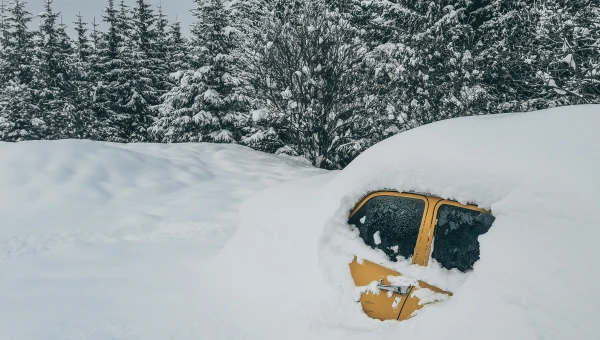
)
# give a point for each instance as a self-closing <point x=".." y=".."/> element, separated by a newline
<point x="89" y="8"/>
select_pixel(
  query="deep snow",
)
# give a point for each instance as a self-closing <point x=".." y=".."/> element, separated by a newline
<point x="109" y="241"/>
<point x="539" y="173"/>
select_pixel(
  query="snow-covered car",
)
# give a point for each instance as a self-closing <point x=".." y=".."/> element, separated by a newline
<point x="420" y="228"/>
<point x="488" y="222"/>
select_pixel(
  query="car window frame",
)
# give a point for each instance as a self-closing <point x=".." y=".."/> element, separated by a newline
<point x="423" y="247"/>
<point x="430" y="229"/>
<point x="422" y="197"/>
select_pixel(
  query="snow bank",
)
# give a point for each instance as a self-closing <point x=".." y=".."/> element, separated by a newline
<point x="109" y="241"/>
<point x="285" y="272"/>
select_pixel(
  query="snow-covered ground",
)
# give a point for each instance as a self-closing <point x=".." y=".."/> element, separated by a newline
<point x="537" y="278"/>
<point x="109" y="241"/>
<point x="106" y="241"/>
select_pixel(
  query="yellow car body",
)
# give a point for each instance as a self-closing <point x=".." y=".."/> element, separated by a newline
<point x="390" y="302"/>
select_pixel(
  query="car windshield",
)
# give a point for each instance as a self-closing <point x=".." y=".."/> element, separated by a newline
<point x="390" y="223"/>
<point x="456" y="244"/>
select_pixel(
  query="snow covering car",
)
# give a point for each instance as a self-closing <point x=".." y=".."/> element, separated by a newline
<point x="490" y="222"/>
<point x="420" y="228"/>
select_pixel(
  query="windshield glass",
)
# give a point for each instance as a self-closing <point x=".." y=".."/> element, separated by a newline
<point x="390" y="223"/>
<point x="456" y="244"/>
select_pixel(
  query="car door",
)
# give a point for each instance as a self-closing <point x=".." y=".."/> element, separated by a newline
<point x="452" y="235"/>
<point x="449" y="228"/>
<point x="391" y="222"/>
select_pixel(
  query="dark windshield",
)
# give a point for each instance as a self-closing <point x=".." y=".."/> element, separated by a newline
<point x="390" y="223"/>
<point x="457" y="230"/>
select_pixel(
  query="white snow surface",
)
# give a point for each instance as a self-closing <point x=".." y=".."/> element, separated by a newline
<point x="285" y="275"/>
<point x="108" y="241"/>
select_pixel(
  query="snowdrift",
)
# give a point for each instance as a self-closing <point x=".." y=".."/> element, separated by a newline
<point x="109" y="241"/>
<point x="285" y="274"/>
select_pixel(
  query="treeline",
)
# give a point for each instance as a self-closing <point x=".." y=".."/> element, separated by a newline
<point x="322" y="79"/>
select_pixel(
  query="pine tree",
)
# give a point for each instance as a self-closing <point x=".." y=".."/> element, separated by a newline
<point x="4" y="76"/>
<point x="83" y="62"/>
<point x="161" y="36"/>
<point x="145" y="76"/>
<point x="247" y="17"/>
<point x="123" y="22"/>
<point x="83" y="50"/>
<point x="95" y="37"/>
<point x="161" y="55"/>
<point x="53" y="78"/>
<point x="19" y="43"/>
<point x="206" y="105"/>
<point x="107" y="72"/>
<point x="4" y="44"/>
<point x="21" y="118"/>
<point x="178" y="55"/>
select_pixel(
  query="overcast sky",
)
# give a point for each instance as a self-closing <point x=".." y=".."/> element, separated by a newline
<point x="94" y="8"/>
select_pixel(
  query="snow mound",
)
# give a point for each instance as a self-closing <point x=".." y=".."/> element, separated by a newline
<point x="109" y="241"/>
<point x="285" y="272"/>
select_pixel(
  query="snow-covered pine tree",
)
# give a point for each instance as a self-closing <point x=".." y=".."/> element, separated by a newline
<point x="144" y="77"/>
<point x="103" y="125"/>
<point x="109" y="74"/>
<point x="21" y="117"/>
<point x="206" y="105"/>
<point x="311" y="75"/>
<point x="161" y="35"/>
<point x="19" y="43"/>
<point x="178" y="58"/>
<point x="161" y="55"/>
<point x="124" y="24"/>
<point x="95" y="37"/>
<point x="83" y="60"/>
<point x="4" y="28"/>
<point x="82" y="48"/>
<point x="52" y="81"/>
<point x="3" y="62"/>
<point x="247" y="17"/>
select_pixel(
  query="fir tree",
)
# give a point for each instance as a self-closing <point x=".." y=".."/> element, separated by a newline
<point x="161" y="55"/>
<point x="177" y="58"/>
<point x="107" y="72"/>
<point x="145" y="76"/>
<point x="53" y="79"/>
<point x="206" y="105"/>
<point x="95" y="37"/>
<point x="83" y="50"/>
<point x="19" y="43"/>
<point x="123" y="23"/>
<point x="84" y="58"/>
<point x="4" y="76"/>
<point x="4" y="44"/>
<point x="21" y="118"/>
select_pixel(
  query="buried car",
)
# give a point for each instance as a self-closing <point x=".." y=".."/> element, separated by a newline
<point x="416" y="227"/>
<point x="471" y="228"/>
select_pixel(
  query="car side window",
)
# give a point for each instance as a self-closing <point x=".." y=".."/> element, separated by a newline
<point x="455" y="243"/>
<point x="390" y="223"/>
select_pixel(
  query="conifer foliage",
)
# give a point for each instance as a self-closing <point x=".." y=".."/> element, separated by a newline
<point x="206" y="104"/>
<point x="319" y="79"/>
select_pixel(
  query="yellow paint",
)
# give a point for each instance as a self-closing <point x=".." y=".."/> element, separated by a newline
<point x="382" y="306"/>
<point x="377" y="306"/>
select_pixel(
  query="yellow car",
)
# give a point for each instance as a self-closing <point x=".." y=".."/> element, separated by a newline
<point x="421" y="229"/>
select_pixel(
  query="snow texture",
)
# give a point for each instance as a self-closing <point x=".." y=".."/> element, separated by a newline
<point x="109" y="241"/>
<point x="537" y="276"/>
<point x="115" y="241"/>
